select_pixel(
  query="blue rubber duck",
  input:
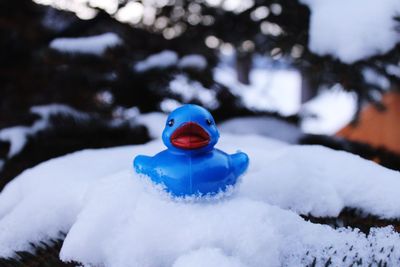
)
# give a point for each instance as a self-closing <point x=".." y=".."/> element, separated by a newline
<point x="191" y="165"/>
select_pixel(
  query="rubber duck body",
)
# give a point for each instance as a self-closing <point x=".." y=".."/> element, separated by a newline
<point x="191" y="165"/>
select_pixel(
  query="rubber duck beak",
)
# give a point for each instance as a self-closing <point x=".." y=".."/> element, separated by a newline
<point x="190" y="135"/>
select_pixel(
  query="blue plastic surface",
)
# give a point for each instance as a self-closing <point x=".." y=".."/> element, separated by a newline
<point x="190" y="164"/>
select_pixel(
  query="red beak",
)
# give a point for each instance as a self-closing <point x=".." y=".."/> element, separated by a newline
<point x="190" y="136"/>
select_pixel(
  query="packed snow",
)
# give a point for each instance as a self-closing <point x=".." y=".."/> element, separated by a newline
<point x="168" y="58"/>
<point x="18" y="136"/>
<point x="95" y="45"/>
<point x="114" y="217"/>
<point x="353" y="30"/>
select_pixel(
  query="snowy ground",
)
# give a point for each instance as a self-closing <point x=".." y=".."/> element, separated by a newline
<point x="114" y="217"/>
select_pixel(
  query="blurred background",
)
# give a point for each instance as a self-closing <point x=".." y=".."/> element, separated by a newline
<point x="78" y="74"/>
<point x="81" y="74"/>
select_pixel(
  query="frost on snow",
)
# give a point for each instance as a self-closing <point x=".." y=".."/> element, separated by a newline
<point x="353" y="30"/>
<point x="113" y="217"/>
<point x="95" y="45"/>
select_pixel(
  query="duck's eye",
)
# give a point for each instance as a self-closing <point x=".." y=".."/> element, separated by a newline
<point x="208" y="121"/>
<point x="171" y="122"/>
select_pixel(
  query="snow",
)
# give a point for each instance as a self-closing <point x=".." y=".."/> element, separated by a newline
<point x="211" y="257"/>
<point x="193" y="61"/>
<point x="266" y="126"/>
<point x="168" y="58"/>
<point x="329" y="111"/>
<point x="193" y="90"/>
<point x="271" y="90"/>
<point x="169" y="104"/>
<point x="373" y="77"/>
<point x="95" y="45"/>
<point x="352" y="30"/>
<point x="393" y="70"/>
<point x="154" y="121"/>
<point x="114" y="217"/>
<point x="160" y="60"/>
<point x="18" y="136"/>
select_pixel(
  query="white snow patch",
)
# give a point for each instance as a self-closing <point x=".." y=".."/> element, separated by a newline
<point x="210" y="257"/>
<point x="113" y="217"/>
<point x="266" y="126"/>
<point x="193" y="90"/>
<point x="168" y="105"/>
<point x="193" y="61"/>
<point x="393" y="69"/>
<point x="160" y="60"/>
<point x="329" y="111"/>
<point x="353" y="30"/>
<point x="154" y="121"/>
<point x="168" y="58"/>
<point x="95" y="45"/>
<point x="272" y="90"/>
<point x="17" y="136"/>
<point x="373" y="77"/>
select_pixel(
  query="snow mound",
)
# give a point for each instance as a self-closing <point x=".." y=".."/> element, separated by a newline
<point x="95" y="45"/>
<point x="353" y="30"/>
<point x="114" y="217"/>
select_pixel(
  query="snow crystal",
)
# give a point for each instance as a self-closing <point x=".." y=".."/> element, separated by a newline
<point x="267" y="126"/>
<point x="329" y="111"/>
<point x="353" y="30"/>
<point x="161" y="60"/>
<point x="114" y="217"/>
<point x="95" y="45"/>
<point x="272" y="90"/>
<point x="193" y="90"/>
<point x="193" y="61"/>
